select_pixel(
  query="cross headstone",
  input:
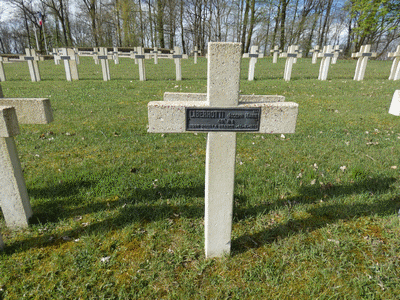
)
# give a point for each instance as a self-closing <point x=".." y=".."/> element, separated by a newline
<point x="291" y="55"/>
<point x="253" y="55"/>
<point x="221" y="113"/>
<point x="395" y="69"/>
<point x="69" y="56"/>
<point x="275" y="52"/>
<point x="395" y="104"/>
<point x="95" y="54"/>
<point x="14" y="200"/>
<point x="139" y="57"/>
<point x="325" y="62"/>
<point x="155" y="54"/>
<point x="195" y="52"/>
<point x="32" y="60"/>
<point x="315" y="52"/>
<point x="299" y="53"/>
<point x="115" y="54"/>
<point x="362" y="61"/>
<point x="336" y="53"/>
<point x="56" y="56"/>
<point x="177" y="56"/>
<point x="2" y="73"/>
<point x="103" y="58"/>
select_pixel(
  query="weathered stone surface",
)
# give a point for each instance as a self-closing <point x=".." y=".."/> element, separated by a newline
<point x="30" y="110"/>
<point x="8" y="122"/>
<point x="395" y="104"/>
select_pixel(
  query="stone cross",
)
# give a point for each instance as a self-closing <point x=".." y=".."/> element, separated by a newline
<point x="69" y="56"/>
<point x="115" y="54"/>
<point x="95" y="54"/>
<point x="315" y="53"/>
<point x="299" y="54"/>
<point x="155" y="53"/>
<point x="139" y="59"/>
<point x="395" y="70"/>
<point x="2" y="74"/>
<point x="253" y="55"/>
<point x="221" y="113"/>
<point x="275" y="52"/>
<point x="56" y="56"/>
<point x="362" y="61"/>
<point x="103" y="58"/>
<point x="395" y="105"/>
<point x="32" y="60"/>
<point x="291" y="55"/>
<point x="14" y="200"/>
<point x="195" y="53"/>
<point x="325" y="62"/>
<point x="177" y="56"/>
<point x="336" y="53"/>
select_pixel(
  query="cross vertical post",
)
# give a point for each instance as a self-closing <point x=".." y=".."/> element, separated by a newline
<point x="362" y="61"/>
<point x="324" y="66"/>
<point x="32" y="60"/>
<point x="315" y="52"/>
<point x="395" y="69"/>
<point x="177" y="56"/>
<point x="2" y="74"/>
<point x="103" y="58"/>
<point x="115" y="55"/>
<point x="275" y="52"/>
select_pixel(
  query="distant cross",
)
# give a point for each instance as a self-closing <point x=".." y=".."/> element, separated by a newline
<point x="14" y="200"/>
<point x="195" y="53"/>
<point x="32" y="60"/>
<point x="395" y="70"/>
<point x="315" y="53"/>
<point x="253" y="55"/>
<point x="139" y="57"/>
<point x="291" y="55"/>
<point x="275" y="53"/>
<point x="362" y="61"/>
<point x="177" y="56"/>
<point x="56" y="56"/>
<point x="69" y="56"/>
<point x="155" y="53"/>
<point x="336" y="53"/>
<point x="221" y="113"/>
<point x="115" y="54"/>
<point x="105" y="67"/>
<point x="325" y="62"/>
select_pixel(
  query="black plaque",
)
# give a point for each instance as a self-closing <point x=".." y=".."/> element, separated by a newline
<point x="253" y="55"/>
<point x="292" y="55"/>
<point x="65" y="57"/>
<point x="328" y="54"/>
<point x="223" y="119"/>
<point x="28" y="57"/>
<point x="139" y="56"/>
<point x="366" y="54"/>
<point x="177" y="56"/>
<point x="102" y="57"/>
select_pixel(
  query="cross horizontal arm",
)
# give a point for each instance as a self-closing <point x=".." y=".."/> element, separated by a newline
<point x="203" y="97"/>
<point x="30" y="110"/>
<point x="170" y="116"/>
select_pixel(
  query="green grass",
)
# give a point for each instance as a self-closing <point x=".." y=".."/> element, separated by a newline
<point x="304" y="228"/>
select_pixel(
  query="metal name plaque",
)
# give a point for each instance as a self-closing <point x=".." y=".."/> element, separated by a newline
<point x="253" y="55"/>
<point x="102" y="57"/>
<point x="366" y="54"/>
<point x="65" y="57"/>
<point x="223" y="119"/>
<point x="328" y="54"/>
<point x="139" y="56"/>
<point x="29" y="58"/>
<point x="177" y="56"/>
<point x="292" y="55"/>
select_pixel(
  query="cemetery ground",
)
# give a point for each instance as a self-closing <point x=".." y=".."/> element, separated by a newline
<point x="119" y="212"/>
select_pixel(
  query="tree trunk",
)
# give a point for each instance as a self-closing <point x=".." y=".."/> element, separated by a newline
<point x="160" y="23"/>
<point x="283" y="20"/>
<point x="245" y="20"/>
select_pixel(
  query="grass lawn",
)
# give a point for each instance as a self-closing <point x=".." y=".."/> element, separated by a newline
<point x="119" y="212"/>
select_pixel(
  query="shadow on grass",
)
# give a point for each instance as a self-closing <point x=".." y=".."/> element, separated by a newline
<point x="320" y="215"/>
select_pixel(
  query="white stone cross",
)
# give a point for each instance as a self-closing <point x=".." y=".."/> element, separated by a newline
<point x="195" y="52"/>
<point x="275" y="52"/>
<point x="14" y="200"/>
<point x="115" y="55"/>
<point x="32" y="60"/>
<point x="221" y="113"/>
<point x="315" y="53"/>
<point x="362" y="61"/>
<point x="177" y="56"/>
<point x="69" y="56"/>
<point x="56" y="56"/>
<point x="325" y="62"/>
<point x="2" y="73"/>
<point x="395" y="69"/>
<point x="139" y="57"/>
<point x="155" y="53"/>
<point x="103" y="57"/>
<point x="253" y="55"/>
<point x="291" y="55"/>
<point x="336" y="53"/>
